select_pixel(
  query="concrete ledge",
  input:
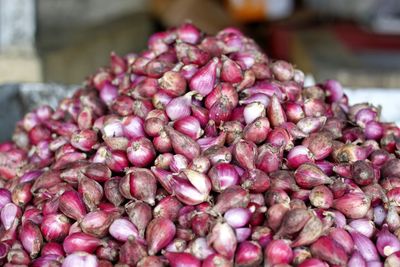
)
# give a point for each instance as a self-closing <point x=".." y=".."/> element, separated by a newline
<point x="20" y="68"/>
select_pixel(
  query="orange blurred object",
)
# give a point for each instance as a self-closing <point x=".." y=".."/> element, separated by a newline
<point x="247" y="10"/>
<point x="259" y="10"/>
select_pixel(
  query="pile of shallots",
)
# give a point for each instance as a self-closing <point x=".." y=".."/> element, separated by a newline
<point x="201" y="151"/>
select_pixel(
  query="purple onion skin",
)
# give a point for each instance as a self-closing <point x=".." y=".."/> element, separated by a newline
<point x="201" y="151"/>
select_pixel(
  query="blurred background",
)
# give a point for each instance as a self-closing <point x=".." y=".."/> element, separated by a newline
<point x="357" y="42"/>
<point x="63" y="41"/>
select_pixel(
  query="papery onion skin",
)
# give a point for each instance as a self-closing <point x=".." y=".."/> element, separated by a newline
<point x="201" y="151"/>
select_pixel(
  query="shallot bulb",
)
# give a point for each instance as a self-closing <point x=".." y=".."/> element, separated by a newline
<point x="201" y="151"/>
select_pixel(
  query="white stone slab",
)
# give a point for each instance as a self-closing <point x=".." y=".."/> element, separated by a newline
<point x="388" y="99"/>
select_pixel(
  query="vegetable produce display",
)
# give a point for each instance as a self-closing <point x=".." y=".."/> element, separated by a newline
<point x="201" y="151"/>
